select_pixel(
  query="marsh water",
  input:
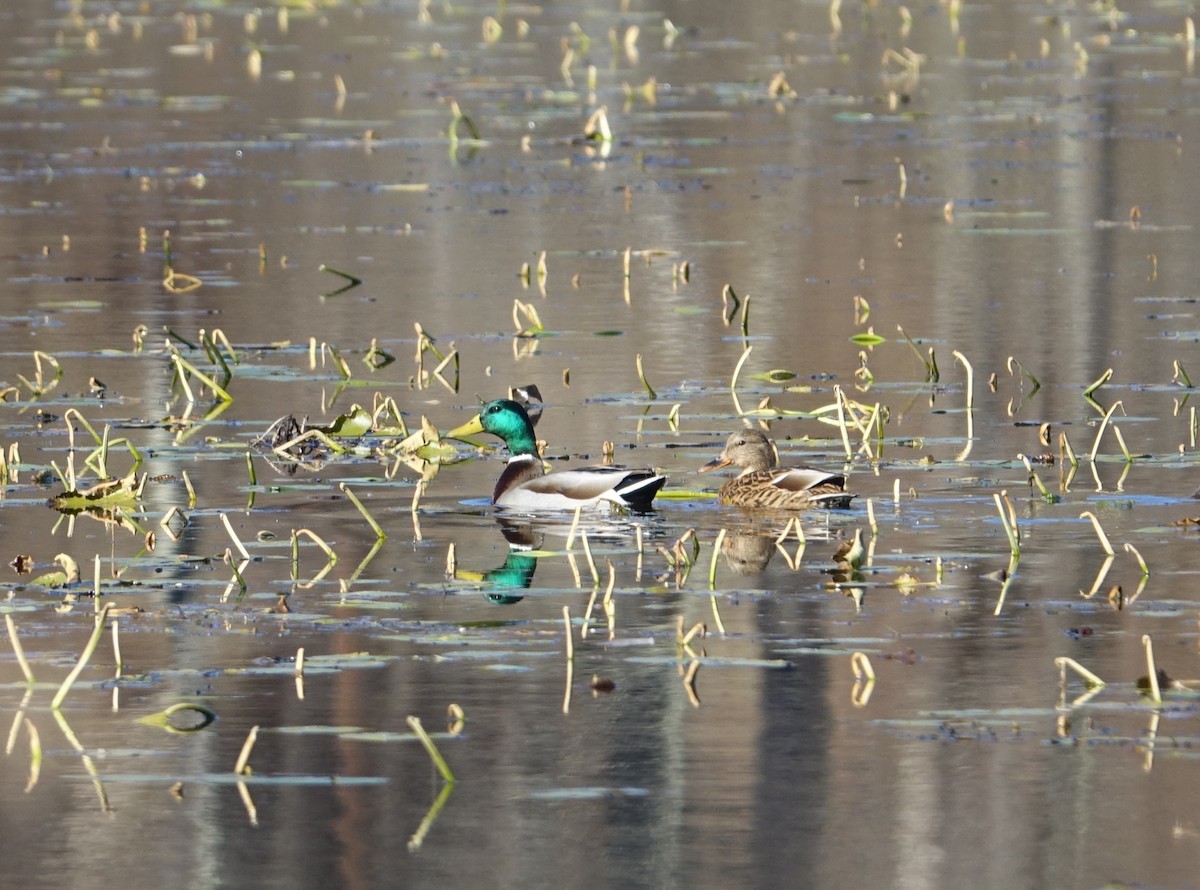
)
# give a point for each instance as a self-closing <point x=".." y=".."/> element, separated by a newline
<point x="951" y="220"/>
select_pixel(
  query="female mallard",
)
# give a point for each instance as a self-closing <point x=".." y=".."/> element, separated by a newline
<point x="763" y="484"/>
<point x="525" y="485"/>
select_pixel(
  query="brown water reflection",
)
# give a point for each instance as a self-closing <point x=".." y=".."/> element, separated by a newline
<point x="1028" y="192"/>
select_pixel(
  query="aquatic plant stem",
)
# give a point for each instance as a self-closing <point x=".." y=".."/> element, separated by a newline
<point x="861" y="665"/>
<point x="431" y="749"/>
<point x="232" y="534"/>
<point x="18" y="649"/>
<point x="1129" y="548"/>
<point x="375" y="526"/>
<point x="1155" y="691"/>
<point x="737" y="369"/>
<point x="241" y="768"/>
<point x="1062" y="663"/>
<point x="84" y="657"/>
<point x="1100" y="432"/>
<point x="1097" y="383"/>
<point x="587" y="552"/>
<point x="717" y="615"/>
<point x="566" y="705"/>
<point x="712" y="566"/>
<point x="1014" y="539"/>
<point x="841" y="414"/>
<point x="646" y="383"/>
<point x="1099" y="531"/>
<point x="575" y="528"/>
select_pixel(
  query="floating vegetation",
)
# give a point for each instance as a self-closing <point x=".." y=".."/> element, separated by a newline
<point x="242" y="559"/>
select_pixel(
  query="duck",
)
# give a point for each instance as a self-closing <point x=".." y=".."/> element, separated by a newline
<point x="525" y="484"/>
<point x="764" y="484"/>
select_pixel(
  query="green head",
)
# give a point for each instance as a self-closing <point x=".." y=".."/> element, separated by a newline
<point x="507" y="419"/>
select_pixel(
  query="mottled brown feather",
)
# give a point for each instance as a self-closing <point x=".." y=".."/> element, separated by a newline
<point x="764" y="485"/>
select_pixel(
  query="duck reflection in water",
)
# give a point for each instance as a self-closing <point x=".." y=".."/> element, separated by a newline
<point x="517" y="571"/>
<point x="746" y="552"/>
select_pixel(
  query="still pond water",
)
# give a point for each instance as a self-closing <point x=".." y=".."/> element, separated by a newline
<point x="958" y="216"/>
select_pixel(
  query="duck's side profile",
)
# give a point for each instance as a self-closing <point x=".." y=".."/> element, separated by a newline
<point x="764" y="485"/>
<point x="525" y="484"/>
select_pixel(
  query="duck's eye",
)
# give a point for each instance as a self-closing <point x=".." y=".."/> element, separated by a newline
<point x="740" y="442"/>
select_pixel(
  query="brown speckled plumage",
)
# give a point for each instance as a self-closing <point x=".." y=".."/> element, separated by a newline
<point x="764" y="485"/>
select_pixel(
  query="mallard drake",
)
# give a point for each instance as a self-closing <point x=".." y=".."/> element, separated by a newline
<point x="525" y="484"/>
<point x="764" y="484"/>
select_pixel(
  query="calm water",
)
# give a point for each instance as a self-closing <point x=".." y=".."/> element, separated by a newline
<point x="1027" y="190"/>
